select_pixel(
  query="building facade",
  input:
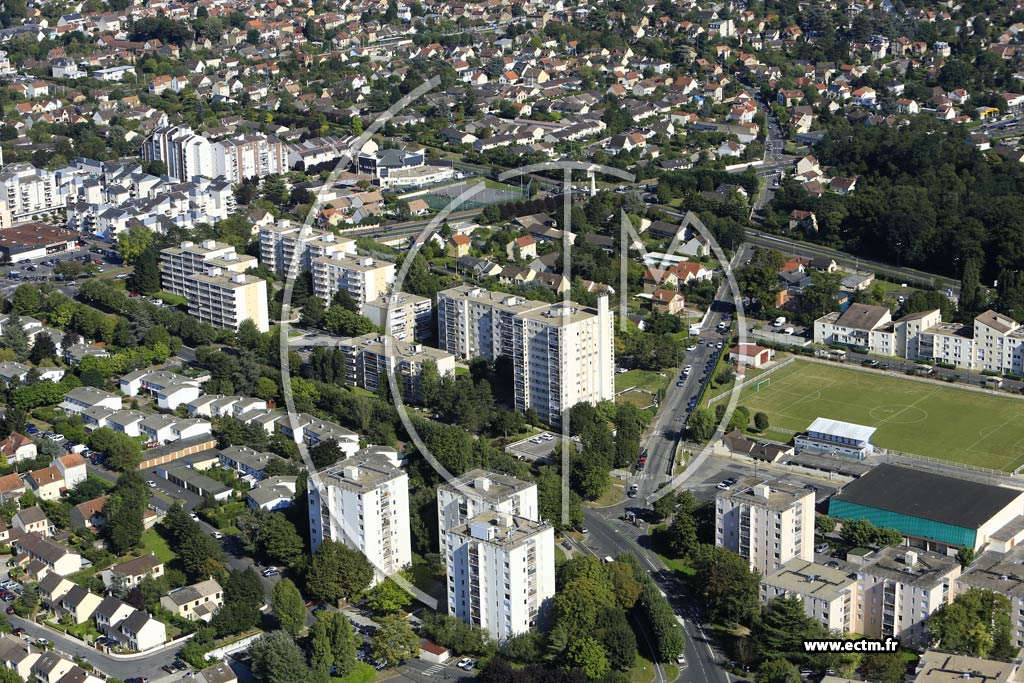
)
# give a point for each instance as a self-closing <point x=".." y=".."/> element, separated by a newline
<point x="288" y="249"/>
<point x="364" y="278"/>
<point x="501" y="571"/>
<point x="766" y="523"/>
<point x="562" y="353"/>
<point x="212" y="277"/>
<point x="368" y="363"/>
<point x="479" y="491"/>
<point x="404" y="316"/>
<point x="363" y="502"/>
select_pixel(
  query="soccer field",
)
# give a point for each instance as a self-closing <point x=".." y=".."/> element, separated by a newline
<point x="927" y="418"/>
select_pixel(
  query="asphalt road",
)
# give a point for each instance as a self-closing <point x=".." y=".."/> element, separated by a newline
<point x="118" y="668"/>
<point x="609" y="535"/>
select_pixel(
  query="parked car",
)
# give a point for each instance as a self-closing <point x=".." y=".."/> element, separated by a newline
<point x="822" y="548"/>
<point x="18" y="632"/>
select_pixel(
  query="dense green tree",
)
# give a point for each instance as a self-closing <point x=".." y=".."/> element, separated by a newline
<point x="777" y="671"/>
<point x="288" y="606"/>
<point x="782" y="627"/>
<point x="886" y="667"/>
<point x="730" y="588"/>
<point x="276" y="658"/>
<point x="387" y="597"/>
<point x="333" y="644"/>
<point x="616" y="638"/>
<point x="587" y="654"/>
<point x="245" y="587"/>
<point x="337" y="572"/>
<point x="395" y="641"/>
<point x="976" y="623"/>
<point x="14" y="337"/>
<point x="235" y="617"/>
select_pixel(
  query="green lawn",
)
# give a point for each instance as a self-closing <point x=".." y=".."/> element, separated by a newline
<point x="171" y="299"/>
<point x="935" y="419"/>
<point x="152" y="542"/>
<point x="648" y="380"/>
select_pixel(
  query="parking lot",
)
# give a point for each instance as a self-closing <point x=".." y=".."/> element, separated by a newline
<point x="537" y="448"/>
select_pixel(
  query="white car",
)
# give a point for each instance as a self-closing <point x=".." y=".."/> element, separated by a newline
<point x="463" y="662"/>
<point x="692" y="347"/>
<point x="218" y="535"/>
<point x="687" y="368"/>
<point x="681" y="660"/>
<point x="151" y="484"/>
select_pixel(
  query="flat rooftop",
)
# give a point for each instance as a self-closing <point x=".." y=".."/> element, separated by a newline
<point x="487" y="486"/>
<point x="780" y="496"/>
<point x="20" y="238"/>
<point x="511" y="303"/>
<point x="504" y="531"/>
<point x="809" y="579"/>
<point x="927" y="495"/>
<point x="997" y="572"/>
<point x="928" y="570"/>
<point x="940" y="667"/>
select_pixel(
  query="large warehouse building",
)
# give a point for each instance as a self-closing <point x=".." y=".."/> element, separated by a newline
<point x="933" y="511"/>
<point x="34" y="240"/>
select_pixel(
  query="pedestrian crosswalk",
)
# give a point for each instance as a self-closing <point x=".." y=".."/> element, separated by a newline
<point x="434" y="670"/>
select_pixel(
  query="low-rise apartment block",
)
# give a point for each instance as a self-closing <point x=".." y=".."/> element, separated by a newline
<point x="994" y="343"/>
<point x="827" y="594"/>
<point x="898" y="589"/>
<point x="767" y="523"/>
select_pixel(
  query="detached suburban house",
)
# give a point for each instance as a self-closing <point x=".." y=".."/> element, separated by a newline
<point x="40" y="556"/>
<point x="132" y="572"/>
<point x="197" y="602"/>
<point x="17" y="447"/>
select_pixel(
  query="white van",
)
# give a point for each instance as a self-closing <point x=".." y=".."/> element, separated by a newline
<point x="779" y="322"/>
<point x="789" y="330"/>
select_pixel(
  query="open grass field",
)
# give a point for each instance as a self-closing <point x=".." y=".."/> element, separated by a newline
<point x="927" y="418"/>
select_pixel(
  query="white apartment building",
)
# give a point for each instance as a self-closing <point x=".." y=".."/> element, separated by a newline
<point x="185" y="153"/>
<point x="212" y="277"/>
<point x="367" y="363"/>
<point x="887" y="593"/>
<point x="501" y="570"/>
<point x="827" y="594"/>
<point x="767" y="523"/>
<point x="249" y="156"/>
<point x="402" y="315"/>
<point x="364" y="278"/>
<point x="288" y="248"/>
<point x="188" y="154"/>
<point x="563" y="353"/>
<point x="28" y="192"/>
<point x="189" y="258"/>
<point x="993" y="343"/>
<point x="898" y="589"/>
<point x="479" y="491"/>
<point x="473" y="322"/>
<point x="363" y="502"/>
<point x="227" y="299"/>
